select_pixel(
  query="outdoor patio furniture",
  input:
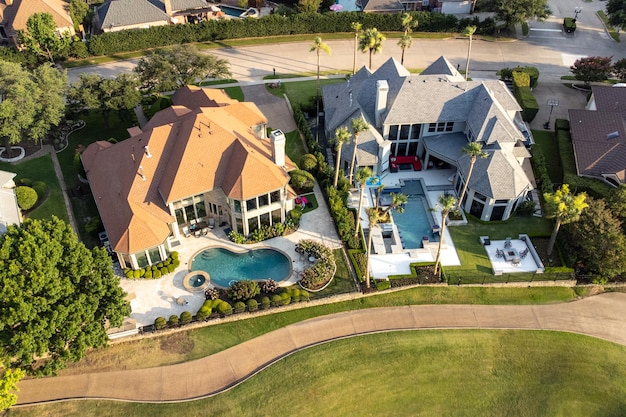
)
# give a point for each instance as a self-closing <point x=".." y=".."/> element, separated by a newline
<point x="523" y="253"/>
<point x="211" y="223"/>
<point x="499" y="253"/>
<point x="186" y="232"/>
<point x="205" y="231"/>
<point x="507" y="242"/>
<point x="197" y="233"/>
<point x="193" y="221"/>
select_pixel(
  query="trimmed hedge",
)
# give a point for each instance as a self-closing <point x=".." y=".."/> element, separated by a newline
<point x="154" y="271"/>
<point x="382" y="285"/>
<point x="273" y="25"/>
<point x="160" y="323"/>
<point x="26" y="197"/>
<point x="561" y="124"/>
<point x="185" y="317"/>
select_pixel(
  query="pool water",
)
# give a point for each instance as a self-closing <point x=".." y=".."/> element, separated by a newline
<point x="348" y="5"/>
<point x="417" y="220"/>
<point x="231" y="11"/>
<point x="225" y="266"/>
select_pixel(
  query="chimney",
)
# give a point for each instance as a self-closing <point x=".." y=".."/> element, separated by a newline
<point x="382" y="89"/>
<point x="278" y="147"/>
<point x="168" y="7"/>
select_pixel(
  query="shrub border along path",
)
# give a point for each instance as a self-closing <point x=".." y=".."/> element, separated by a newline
<point x="599" y="316"/>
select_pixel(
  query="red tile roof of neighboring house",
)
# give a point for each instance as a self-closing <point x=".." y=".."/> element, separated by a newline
<point x="15" y="16"/>
<point x="191" y="151"/>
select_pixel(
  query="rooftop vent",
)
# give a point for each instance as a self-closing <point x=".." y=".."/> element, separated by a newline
<point x="148" y="154"/>
<point x="612" y="135"/>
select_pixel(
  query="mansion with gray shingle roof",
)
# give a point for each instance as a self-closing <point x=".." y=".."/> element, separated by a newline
<point x="433" y="115"/>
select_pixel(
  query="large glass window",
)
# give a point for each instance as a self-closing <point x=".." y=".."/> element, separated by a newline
<point x="265" y="219"/>
<point x="142" y="260"/>
<point x="200" y="209"/>
<point x="404" y="131"/>
<point x="393" y="132"/>
<point x="237" y="206"/>
<point x="155" y="256"/>
<point x="412" y="148"/>
<point x="253" y="224"/>
<point x="189" y="212"/>
<point x="276" y="216"/>
<point x="275" y="196"/>
<point x="180" y="217"/>
<point x="251" y="204"/>
<point x="497" y="213"/>
<point x="415" y="131"/>
<point x="263" y="200"/>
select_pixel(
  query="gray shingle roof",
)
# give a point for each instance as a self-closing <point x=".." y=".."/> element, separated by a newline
<point x="116" y="13"/>
<point x="596" y="153"/>
<point x="498" y="176"/>
<point x="443" y="67"/>
<point x="381" y="5"/>
<point x="188" y="4"/>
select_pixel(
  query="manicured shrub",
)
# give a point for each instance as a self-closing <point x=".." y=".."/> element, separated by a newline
<point x="382" y="285"/>
<point x="160" y="323"/>
<point x="164" y="271"/>
<point x="304" y="295"/>
<point x="148" y="274"/>
<point x="216" y="303"/>
<point x="40" y="188"/>
<point x="171" y="268"/>
<point x="174" y="255"/>
<point x="26" y="197"/>
<point x="244" y="290"/>
<point x="308" y="162"/>
<point x="204" y="313"/>
<point x="277" y="300"/>
<point x="286" y="298"/>
<point x="295" y="294"/>
<point x="211" y="294"/>
<point x="240" y="307"/>
<point x="526" y="208"/>
<point x="176" y="263"/>
<point x="265" y="303"/>
<point x="159" y="265"/>
<point x="136" y="273"/>
<point x="225" y="309"/>
<point x="156" y="274"/>
<point x="128" y="273"/>
<point x="173" y="321"/>
<point x="78" y="49"/>
<point x="167" y="262"/>
<point x="27" y="182"/>
<point x="185" y="317"/>
<point x="302" y="180"/>
<point x="252" y="304"/>
<point x="94" y="225"/>
<point x="561" y="124"/>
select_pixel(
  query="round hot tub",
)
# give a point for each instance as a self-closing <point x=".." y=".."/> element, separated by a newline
<point x="196" y="281"/>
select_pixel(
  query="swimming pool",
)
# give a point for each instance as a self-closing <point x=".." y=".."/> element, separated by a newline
<point x="225" y="266"/>
<point x="231" y="11"/>
<point x="417" y="221"/>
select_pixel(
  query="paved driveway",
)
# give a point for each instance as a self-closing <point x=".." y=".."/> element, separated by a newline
<point x="274" y="108"/>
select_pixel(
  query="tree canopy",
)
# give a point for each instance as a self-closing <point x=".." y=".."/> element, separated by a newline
<point x="94" y="92"/>
<point x="8" y="387"/>
<point x="371" y="40"/>
<point x="172" y="68"/>
<point x="32" y="102"/>
<point x="56" y="296"/>
<point x="592" y="68"/>
<point x="616" y="12"/>
<point x="564" y="207"/>
<point x="41" y="36"/>
<point x="519" y="11"/>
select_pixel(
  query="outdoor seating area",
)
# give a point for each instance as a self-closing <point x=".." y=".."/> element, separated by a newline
<point x="511" y="255"/>
<point x="198" y="227"/>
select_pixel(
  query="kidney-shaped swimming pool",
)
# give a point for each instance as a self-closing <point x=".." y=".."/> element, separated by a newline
<point x="225" y="266"/>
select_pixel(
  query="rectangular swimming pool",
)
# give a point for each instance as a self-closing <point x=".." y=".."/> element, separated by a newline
<point x="417" y="221"/>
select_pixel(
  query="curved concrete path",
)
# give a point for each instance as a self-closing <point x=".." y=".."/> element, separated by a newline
<point x="601" y="316"/>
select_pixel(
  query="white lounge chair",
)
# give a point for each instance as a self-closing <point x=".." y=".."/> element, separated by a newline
<point x="211" y="223"/>
<point x="186" y="231"/>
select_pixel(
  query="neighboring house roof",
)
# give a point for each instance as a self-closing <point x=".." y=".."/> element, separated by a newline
<point x="192" y="151"/>
<point x="119" y="13"/>
<point x="599" y="142"/>
<point x="381" y="6"/>
<point x="15" y="16"/>
<point x="442" y="66"/>
<point x="178" y="5"/>
<point x="9" y="211"/>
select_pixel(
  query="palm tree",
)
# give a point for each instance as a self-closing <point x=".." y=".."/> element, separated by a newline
<point x="361" y="177"/>
<point x="474" y="150"/>
<point x="342" y="136"/>
<point x="371" y="40"/>
<point x="356" y="27"/>
<point x="469" y="32"/>
<point x="376" y="216"/>
<point x="446" y="202"/>
<point x="318" y="46"/>
<point x="405" y="42"/>
<point x="358" y="126"/>
<point x="564" y="207"/>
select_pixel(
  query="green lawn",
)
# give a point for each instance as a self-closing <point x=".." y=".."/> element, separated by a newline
<point x="419" y="373"/>
<point x="301" y="93"/>
<point x="546" y="141"/>
<point x="294" y="146"/>
<point x="194" y="344"/>
<point x="41" y="169"/>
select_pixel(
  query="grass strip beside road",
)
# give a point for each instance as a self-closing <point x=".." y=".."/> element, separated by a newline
<point x="420" y="373"/>
<point x="194" y="344"/>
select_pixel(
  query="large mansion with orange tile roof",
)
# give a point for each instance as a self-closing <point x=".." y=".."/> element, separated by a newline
<point x="207" y="157"/>
<point x="15" y="13"/>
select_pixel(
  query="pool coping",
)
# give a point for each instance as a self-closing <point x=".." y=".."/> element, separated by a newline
<point x="239" y="251"/>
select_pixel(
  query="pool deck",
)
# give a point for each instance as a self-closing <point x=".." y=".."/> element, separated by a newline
<point x="384" y="265"/>
<point x="158" y="298"/>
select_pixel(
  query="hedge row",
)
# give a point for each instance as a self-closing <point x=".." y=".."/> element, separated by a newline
<point x="524" y="96"/>
<point x="224" y="308"/>
<point x="155" y="271"/>
<point x="273" y="25"/>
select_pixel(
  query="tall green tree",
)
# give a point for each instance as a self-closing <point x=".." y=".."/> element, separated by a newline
<point x="474" y="150"/>
<point x="342" y="136"/>
<point x="598" y="240"/>
<point x="469" y="33"/>
<point x="357" y="28"/>
<point x="359" y="125"/>
<point x="42" y="37"/>
<point x="318" y="47"/>
<point x="371" y="40"/>
<point x="564" y="207"/>
<point x="378" y="215"/>
<point x="408" y="24"/>
<point x="616" y="12"/>
<point x="361" y="176"/>
<point x="56" y="296"/>
<point x="519" y="11"/>
<point x="172" y="68"/>
<point x="32" y="102"/>
<point x="8" y="387"/>
<point x="405" y="42"/>
<point x="592" y="68"/>
<point x="81" y="13"/>
<point x="94" y="92"/>
<point x="447" y="204"/>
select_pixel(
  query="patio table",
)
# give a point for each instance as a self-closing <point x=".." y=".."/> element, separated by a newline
<point x="511" y="255"/>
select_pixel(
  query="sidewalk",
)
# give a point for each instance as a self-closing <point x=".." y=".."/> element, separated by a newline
<point x="599" y="316"/>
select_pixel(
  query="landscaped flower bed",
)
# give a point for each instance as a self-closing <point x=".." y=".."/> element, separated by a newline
<point x="323" y="269"/>
<point x="154" y="271"/>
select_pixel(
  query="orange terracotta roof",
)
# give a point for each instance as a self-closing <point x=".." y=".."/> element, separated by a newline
<point x="16" y="16"/>
<point x="191" y="152"/>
